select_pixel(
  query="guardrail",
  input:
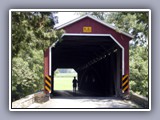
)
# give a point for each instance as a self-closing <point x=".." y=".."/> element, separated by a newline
<point x="140" y="100"/>
<point x="25" y="102"/>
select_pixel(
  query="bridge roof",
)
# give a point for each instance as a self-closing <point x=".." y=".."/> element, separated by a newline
<point x="95" y="19"/>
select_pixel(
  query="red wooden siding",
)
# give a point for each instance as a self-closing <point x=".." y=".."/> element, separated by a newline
<point x="46" y="66"/>
<point x="46" y="62"/>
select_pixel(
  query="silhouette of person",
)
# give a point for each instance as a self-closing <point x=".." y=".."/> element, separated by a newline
<point x="75" y="81"/>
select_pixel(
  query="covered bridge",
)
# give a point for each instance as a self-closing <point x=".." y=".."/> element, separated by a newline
<point x="96" y="51"/>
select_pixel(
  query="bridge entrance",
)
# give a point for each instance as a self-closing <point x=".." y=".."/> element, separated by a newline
<point x="97" y="59"/>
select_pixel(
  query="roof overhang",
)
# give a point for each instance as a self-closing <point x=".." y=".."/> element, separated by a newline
<point x="99" y="21"/>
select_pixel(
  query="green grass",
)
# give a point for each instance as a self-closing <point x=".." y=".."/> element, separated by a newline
<point x="63" y="83"/>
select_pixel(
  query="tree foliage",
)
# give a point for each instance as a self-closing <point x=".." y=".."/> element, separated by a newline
<point x="31" y="30"/>
<point x="139" y="70"/>
<point x="32" y="33"/>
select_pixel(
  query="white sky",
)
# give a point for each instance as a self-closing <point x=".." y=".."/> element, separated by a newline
<point x="64" y="17"/>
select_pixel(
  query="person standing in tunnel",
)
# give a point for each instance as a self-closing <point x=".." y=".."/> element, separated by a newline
<point x="75" y="82"/>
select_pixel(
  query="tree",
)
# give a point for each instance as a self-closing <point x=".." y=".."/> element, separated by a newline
<point x="32" y="29"/>
<point x="139" y="70"/>
<point x="32" y="33"/>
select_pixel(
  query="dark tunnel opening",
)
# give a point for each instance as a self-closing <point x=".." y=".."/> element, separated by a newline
<point x="96" y="59"/>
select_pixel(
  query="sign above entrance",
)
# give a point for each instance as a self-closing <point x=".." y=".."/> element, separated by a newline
<point x="87" y="29"/>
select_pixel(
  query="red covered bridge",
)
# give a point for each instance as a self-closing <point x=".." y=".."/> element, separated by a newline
<point x="96" y="51"/>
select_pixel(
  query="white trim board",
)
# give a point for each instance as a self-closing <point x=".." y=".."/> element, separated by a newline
<point x="50" y="60"/>
<point x="105" y="35"/>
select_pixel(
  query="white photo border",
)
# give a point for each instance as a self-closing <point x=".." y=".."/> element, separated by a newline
<point x="78" y="10"/>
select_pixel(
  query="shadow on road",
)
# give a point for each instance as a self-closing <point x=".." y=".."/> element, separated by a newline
<point x="67" y="94"/>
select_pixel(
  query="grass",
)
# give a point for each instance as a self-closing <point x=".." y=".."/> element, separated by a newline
<point x="63" y="83"/>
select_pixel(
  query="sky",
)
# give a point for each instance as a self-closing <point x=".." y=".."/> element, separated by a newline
<point x="64" y="17"/>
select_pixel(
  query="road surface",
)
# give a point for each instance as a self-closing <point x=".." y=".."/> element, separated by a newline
<point x="67" y="99"/>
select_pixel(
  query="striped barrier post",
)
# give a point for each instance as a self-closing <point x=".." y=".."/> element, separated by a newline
<point x="47" y="85"/>
<point x="125" y="83"/>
